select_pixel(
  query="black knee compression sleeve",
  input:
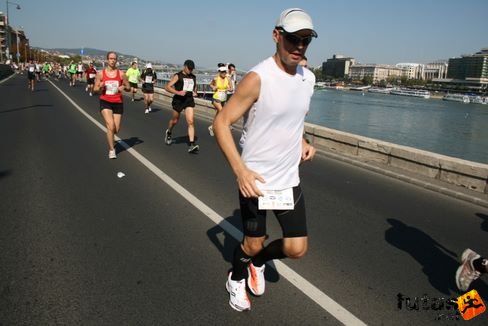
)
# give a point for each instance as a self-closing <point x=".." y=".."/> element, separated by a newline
<point x="239" y="264"/>
<point x="272" y="251"/>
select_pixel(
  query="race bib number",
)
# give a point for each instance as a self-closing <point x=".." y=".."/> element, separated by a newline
<point x="111" y="87"/>
<point x="148" y="79"/>
<point x="31" y="69"/>
<point x="222" y="96"/>
<point x="91" y="76"/>
<point x="277" y="199"/>
<point x="188" y="84"/>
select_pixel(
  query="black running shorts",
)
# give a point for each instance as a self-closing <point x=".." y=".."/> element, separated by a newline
<point x="117" y="108"/>
<point x="147" y="88"/>
<point x="293" y="222"/>
<point x="181" y="104"/>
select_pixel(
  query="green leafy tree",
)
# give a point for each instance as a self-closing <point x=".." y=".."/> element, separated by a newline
<point x="367" y="80"/>
<point x="318" y="74"/>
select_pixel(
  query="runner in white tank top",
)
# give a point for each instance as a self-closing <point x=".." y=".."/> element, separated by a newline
<point x="274" y="98"/>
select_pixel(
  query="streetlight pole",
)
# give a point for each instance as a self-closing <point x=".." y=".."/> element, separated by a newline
<point x="18" y="53"/>
<point x="26" y="57"/>
<point x="8" y="29"/>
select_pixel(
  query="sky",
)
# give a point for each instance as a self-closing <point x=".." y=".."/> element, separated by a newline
<point x="374" y="31"/>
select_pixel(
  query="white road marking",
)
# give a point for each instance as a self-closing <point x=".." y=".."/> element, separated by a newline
<point x="11" y="76"/>
<point x="310" y="290"/>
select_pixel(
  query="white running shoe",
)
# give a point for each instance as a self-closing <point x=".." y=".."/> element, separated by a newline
<point x="193" y="148"/>
<point x="167" y="137"/>
<point x="91" y="94"/>
<point x="210" y="130"/>
<point x="466" y="273"/>
<point x="238" y="295"/>
<point x="149" y="108"/>
<point x="255" y="279"/>
<point x="112" y="154"/>
<point x="147" y="111"/>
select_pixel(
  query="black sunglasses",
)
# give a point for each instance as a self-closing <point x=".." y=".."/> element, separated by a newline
<point x="295" y="39"/>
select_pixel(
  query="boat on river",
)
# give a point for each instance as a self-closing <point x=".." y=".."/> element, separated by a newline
<point x="379" y="90"/>
<point x="457" y="98"/>
<point x="478" y="100"/>
<point x="359" y="88"/>
<point x="410" y="92"/>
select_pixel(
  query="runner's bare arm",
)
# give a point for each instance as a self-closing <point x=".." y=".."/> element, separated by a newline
<point x="125" y="82"/>
<point x="238" y="105"/>
<point x="98" y="83"/>
<point x="170" y="86"/>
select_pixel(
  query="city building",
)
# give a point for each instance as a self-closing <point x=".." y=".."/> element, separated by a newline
<point x="411" y="70"/>
<point x="474" y="66"/>
<point x="435" y="70"/>
<point x="337" y="67"/>
<point x="18" y="49"/>
<point x="378" y="72"/>
<point x="469" y="73"/>
<point x="3" y="36"/>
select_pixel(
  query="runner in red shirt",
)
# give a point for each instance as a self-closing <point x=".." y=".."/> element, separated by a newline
<point x="90" y="75"/>
<point x="110" y="82"/>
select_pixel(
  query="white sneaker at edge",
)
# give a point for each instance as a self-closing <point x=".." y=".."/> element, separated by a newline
<point x="112" y="154"/>
<point x="238" y="295"/>
<point x="255" y="279"/>
<point x="466" y="273"/>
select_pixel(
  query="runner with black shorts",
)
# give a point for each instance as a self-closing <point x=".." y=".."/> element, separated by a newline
<point x="133" y="74"/>
<point x="31" y="74"/>
<point x="110" y="82"/>
<point x="184" y="87"/>
<point x="148" y="78"/>
<point x="274" y="98"/>
<point x="91" y="74"/>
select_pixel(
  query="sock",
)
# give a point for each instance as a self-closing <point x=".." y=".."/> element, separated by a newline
<point x="481" y="265"/>
<point x="272" y="251"/>
<point x="239" y="264"/>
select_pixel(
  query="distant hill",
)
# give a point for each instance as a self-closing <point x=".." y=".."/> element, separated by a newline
<point x="88" y="51"/>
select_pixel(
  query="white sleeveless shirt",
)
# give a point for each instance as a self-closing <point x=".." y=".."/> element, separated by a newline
<point x="271" y="140"/>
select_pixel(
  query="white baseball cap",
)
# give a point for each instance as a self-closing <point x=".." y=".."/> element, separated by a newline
<point x="295" y="19"/>
<point x="148" y="65"/>
<point x="223" y="68"/>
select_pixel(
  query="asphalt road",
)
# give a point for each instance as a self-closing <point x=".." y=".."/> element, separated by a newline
<point x="81" y="246"/>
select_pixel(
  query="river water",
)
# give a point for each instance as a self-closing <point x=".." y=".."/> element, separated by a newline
<point x="449" y="128"/>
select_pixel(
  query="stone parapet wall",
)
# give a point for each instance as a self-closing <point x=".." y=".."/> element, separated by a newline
<point x="467" y="174"/>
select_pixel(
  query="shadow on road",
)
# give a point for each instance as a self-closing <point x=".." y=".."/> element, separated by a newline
<point x="5" y="173"/>
<point x="131" y="142"/>
<point x="227" y="245"/>
<point x="438" y="262"/>
<point x="181" y="140"/>
<point x="26" y="108"/>
<point x="484" y="223"/>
